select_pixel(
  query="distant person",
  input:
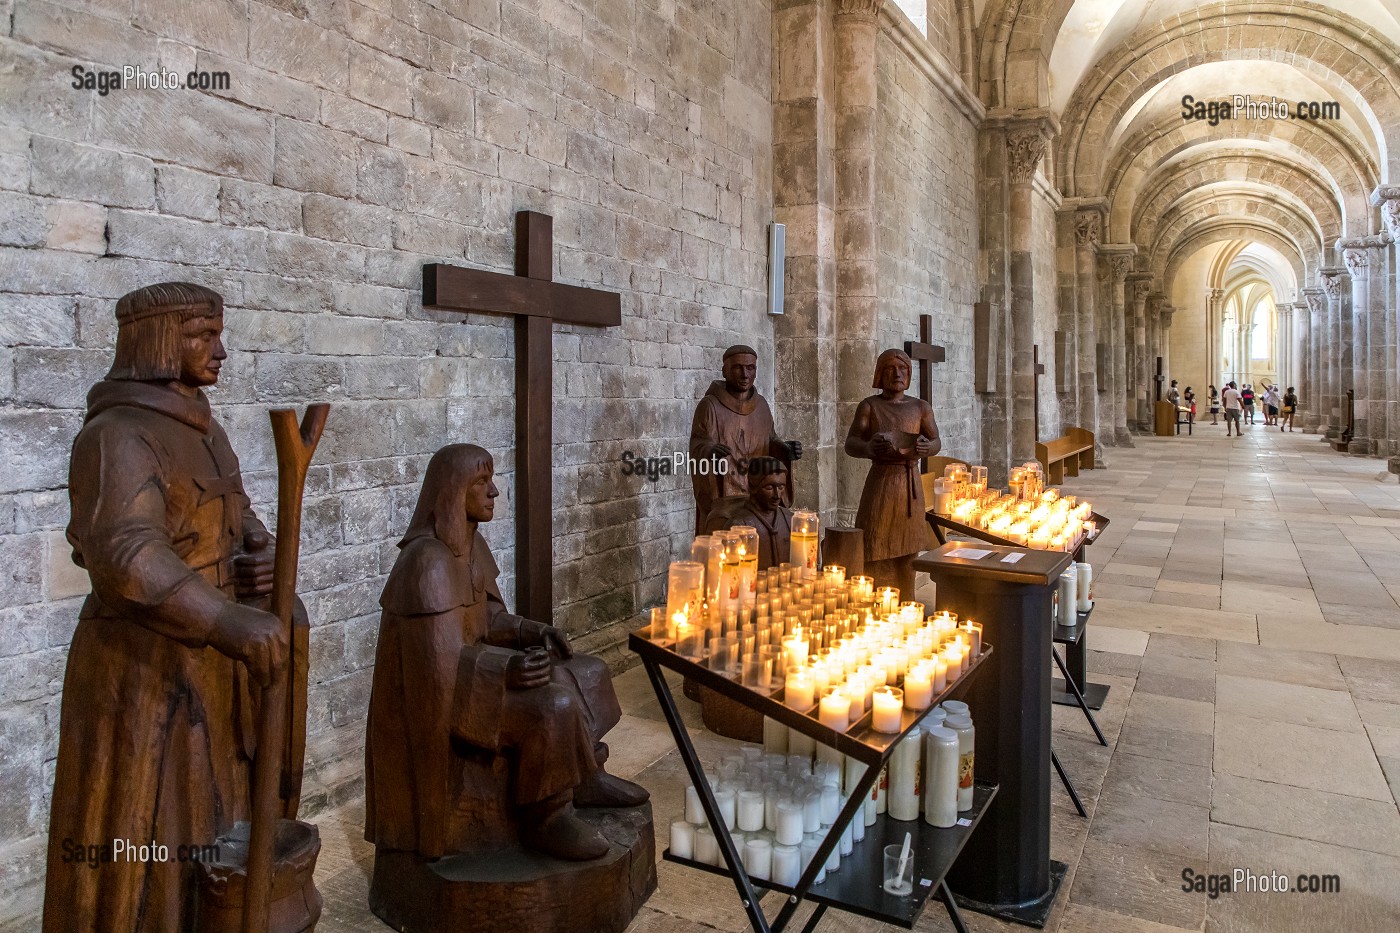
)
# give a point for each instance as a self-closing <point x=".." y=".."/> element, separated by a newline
<point x="1190" y="399"/>
<point x="1247" y="400"/>
<point x="1290" y="405"/>
<point x="1271" y="403"/>
<point x="1214" y="404"/>
<point x="1174" y="395"/>
<point x="1234" y="407"/>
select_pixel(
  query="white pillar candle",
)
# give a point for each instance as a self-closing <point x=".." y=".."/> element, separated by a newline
<point x="758" y="858"/>
<point x="799" y="689"/>
<point x="848" y="838"/>
<point x="888" y="715"/>
<point x="1084" y="587"/>
<point x="794" y="650"/>
<point x="770" y="808"/>
<point x="787" y="864"/>
<point x="775" y="737"/>
<point x="835" y="710"/>
<point x="972" y="631"/>
<point x="918" y="687"/>
<point x="694" y="812"/>
<point x="812" y="812"/>
<point x="906" y="762"/>
<point x="706" y="847"/>
<point x="799" y="743"/>
<point x="940" y="673"/>
<point x="831" y="804"/>
<point x="750" y="810"/>
<point x="967" y="736"/>
<point x="683" y="839"/>
<point x="790" y="823"/>
<point x="728" y="802"/>
<point x="833" y="861"/>
<point x="882" y="790"/>
<point x="868" y="811"/>
<point x="941" y="777"/>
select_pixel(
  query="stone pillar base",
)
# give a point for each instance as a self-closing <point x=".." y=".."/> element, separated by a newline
<point x="1361" y="447"/>
<point x="1394" y="465"/>
<point x="1122" y="437"/>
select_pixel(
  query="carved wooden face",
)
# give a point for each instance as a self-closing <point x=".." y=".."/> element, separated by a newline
<point x="481" y="493"/>
<point x="202" y="351"/>
<point x="740" y="370"/>
<point x="768" y="490"/>
<point x="893" y="375"/>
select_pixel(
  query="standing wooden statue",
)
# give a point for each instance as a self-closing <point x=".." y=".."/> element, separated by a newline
<point x="484" y="735"/>
<point x="733" y="424"/>
<point x="160" y="711"/>
<point x="894" y="432"/>
<point x="763" y="509"/>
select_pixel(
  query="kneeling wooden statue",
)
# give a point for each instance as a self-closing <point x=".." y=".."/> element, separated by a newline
<point x="485" y="792"/>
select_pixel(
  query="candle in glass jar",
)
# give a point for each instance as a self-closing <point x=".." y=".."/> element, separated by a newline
<point x="973" y="632"/>
<point x="918" y="686"/>
<point x="685" y="589"/>
<point x="683" y="839"/>
<point x="940" y="673"/>
<point x="835" y="709"/>
<point x="952" y="654"/>
<point x="862" y="589"/>
<point x="799" y="690"/>
<point x="748" y="565"/>
<point x="886" y="600"/>
<point x="794" y="648"/>
<point x="803" y="542"/>
<point x="887" y="716"/>
<point x="835" y="577"/>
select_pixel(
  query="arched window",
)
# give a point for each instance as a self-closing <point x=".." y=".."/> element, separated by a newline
<point x="1230" y="329"/>
<point x="917" y="11"/>
<point x="1259" y="335"/>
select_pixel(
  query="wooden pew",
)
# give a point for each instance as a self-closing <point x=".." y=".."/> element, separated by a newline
<point x="1066" y="456"/>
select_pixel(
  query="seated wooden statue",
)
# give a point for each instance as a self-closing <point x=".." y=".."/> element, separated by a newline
<point x="457" y="677"/>
<point x="762" y="508"/>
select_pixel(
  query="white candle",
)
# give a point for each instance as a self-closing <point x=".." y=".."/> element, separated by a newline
<point x="787" y="864"/>
<point x="848" y="839"/>
<point x="973" y="632"/>
<point x="750" y="810"/>
<point x="794" y="650"/>
<point x="889" y="707"/>
<point x="728" y="802"/>
<point x="812" y="812"/>
<point x="1085" y="587"/>
<point x="906" y="762"/>
<point x="799" y="690"/>
<point x="706" y="847"/>
<point x="941" y="777"/>
<point x="831" y="803"/>
<point x="683" y="839"/>
<point x="758" y="858"/>
<point x="694" y="812"/>
<point x="775" y="737"/>
<point x="940" y="673"/>
<point x="801" y="744"/>
<point x="835" y="710"/>
<point x="790" y="823"/>
<point x="918" y="687"/>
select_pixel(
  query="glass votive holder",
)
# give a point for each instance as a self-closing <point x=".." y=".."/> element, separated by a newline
<point x="724" y="655"/>
<point x="690" y="641"/>
<point x="774" y="654"/>
<point x="899" y="871"/>
<point x="656" y="627"/>
<point x="757" y="671"/>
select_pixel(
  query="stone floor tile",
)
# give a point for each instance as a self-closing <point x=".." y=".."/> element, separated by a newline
<point x="1136" y="883"/>
<point x="1267" y="598"/>
<point x="1195" y="588"/>
<point x="1303" y="756"/>
<point x="1159" y="712"/>
<point x="1267" y="699"/>
<point x="1185" y="688"/>
<point x="1151" y="824"/>
<point x="1342" y="640"/>
<point x="1138" y="776"/>
<point x="1373" y="825"/>
<point x="1371" y="679"/>
<point x="1379" y="714"/>
<point x="1368" y="616"/>
<point x="1189" y="600"/>
<point x="1177" y="620"/>
<point x="1118" y="641"/>
<point x="1122" y="588"/>
<point x="1296" y="667"/>
<point x="1182" y="646"/>
<point x="1178" y="666"/>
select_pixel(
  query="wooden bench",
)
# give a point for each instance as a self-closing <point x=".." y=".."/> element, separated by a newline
<point x="1066" y="456"/>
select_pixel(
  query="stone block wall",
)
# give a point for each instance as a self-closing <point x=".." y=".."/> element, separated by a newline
<point x="927" y="212"/>
<point x="355" y="143"/>
<point x="1043" y="209"/>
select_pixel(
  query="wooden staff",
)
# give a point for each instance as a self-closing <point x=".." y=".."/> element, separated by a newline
<point x="294" y="450"/>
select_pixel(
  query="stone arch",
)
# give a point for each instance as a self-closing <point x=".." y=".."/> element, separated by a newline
<point x="1330" y="154"/>
<point x="1250" y="215"/>
<point x="1248" y="170"/>
<point x="1226" y="230"/>
<point x="1341" y="51"/>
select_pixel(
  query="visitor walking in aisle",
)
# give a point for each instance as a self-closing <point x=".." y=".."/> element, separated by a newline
<point x="1174" y="395"/>
<point x="1290" y="405"/>
<point x="1189" y="400"/>
<point x="1214" y="404"/>
<point x="1234" y="406"/>
<point x="1247" y="400"/>
<point x="1271" y="402"/>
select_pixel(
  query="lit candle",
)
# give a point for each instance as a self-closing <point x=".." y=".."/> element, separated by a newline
<point x="940" y="673"/>
<point x="799" y="690"/>
<point x="685" y="589"/>
<point x="918" y="687"/>
<point x="973" y="631"/>
<point x="855" y="691"/>
<point x="887" y="716"/>
<point x="862" y="590"/>
<point x="886" y="600"/>
<point x="748" y="565"/>
<point x="952" y="654"/>
<point x="835" y="709"/>
<point x="690" y="638"/>
<point x="835" y="576"/>
<point x="803" y="542"/>
<point x="795" y="649"/>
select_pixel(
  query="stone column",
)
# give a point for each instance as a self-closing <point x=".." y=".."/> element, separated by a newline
<point x="1379" y="361"/>
<point x="1283" y="338"/>
<point x="1388" y="198"/>
<point x="1297" y="375"/>
<point x="1357" y="257"/>
<point x="1088" y="230"/>
<point x="1026" y="141"/>
<point x="1214" y="326"/>
<point x="1140" y="383"/>
<point x="805" y="346"/>
<point x="1312" y="388"/>
<point x="857" y="230"/>
<point x="1338" y="349"/>
<point x="1118" y="261"/>
<point x="1164" y="340"/>
<point x="1155" y="302"/>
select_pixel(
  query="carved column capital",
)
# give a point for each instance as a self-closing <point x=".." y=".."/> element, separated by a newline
<point x="1316" y="299"/>
<point x="865" y="9"/>
<point x="1088" y="228"/>
<point x="1025" y="147"/>
<point x="1390" y="216"/>
<point x="1142" y="285"/>
<point x="1356" y="258"/>
<point x="1332" y="282"/>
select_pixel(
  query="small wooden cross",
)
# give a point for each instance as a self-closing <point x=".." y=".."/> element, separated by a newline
<point x="1038" y="368"/>
<point x="1159" y="379"/>
<point x="536" y="302"/>
<point x="926" y="353"/>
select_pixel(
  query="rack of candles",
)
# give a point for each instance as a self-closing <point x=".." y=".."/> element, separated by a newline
<point x="829" y="646"/>
<point x="1028" y="514"/>
<point x="779" y="808"/>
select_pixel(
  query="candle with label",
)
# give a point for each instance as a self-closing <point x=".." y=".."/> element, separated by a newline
<point x="804" y="543"/>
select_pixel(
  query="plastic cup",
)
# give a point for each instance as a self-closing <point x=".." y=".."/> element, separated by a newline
<point x="899" y="871"/>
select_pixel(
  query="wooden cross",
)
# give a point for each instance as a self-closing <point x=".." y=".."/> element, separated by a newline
<point x="1159" y="379"/>
<point x="926" y="353"/>
<point x="1038" y="368"/>
<point x="536" y="302"/>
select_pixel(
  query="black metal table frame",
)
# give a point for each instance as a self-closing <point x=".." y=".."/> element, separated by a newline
<point x="1078" y="691"/>
<point x="655" y="657"/>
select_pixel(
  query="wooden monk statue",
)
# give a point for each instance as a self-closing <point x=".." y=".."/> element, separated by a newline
<point x="733" y="423"/>
<point x="894" y="431"/>
<point x="158" y="723"/>
<point x="455" y="671"/>
<point x="763" y="509"/>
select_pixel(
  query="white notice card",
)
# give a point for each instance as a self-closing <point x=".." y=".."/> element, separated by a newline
<point x="970" y="553"/>
<point x="1012" y="558"/>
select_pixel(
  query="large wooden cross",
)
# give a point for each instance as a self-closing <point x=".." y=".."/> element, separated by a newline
<point x="536" y="302"/>
<point x="1159" y="379"/>
<point x="1038" y="368"/>
<point x="926" y="354"/>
